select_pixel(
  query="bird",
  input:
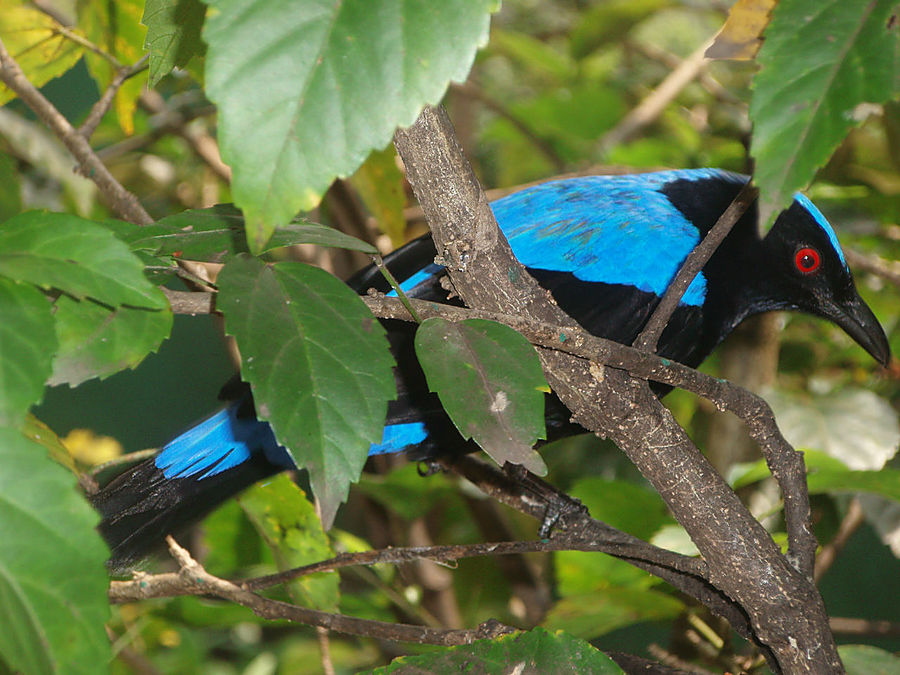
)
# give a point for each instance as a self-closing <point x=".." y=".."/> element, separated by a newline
<point x="606" y="248"/>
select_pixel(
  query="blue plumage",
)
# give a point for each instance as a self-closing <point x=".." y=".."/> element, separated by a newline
<point x="607" y="248"/>
<point x="218" y="443"/>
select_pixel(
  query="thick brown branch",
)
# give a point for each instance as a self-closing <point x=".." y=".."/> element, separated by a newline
<point x="784" y="608"/>
<point x="122" y="202"/>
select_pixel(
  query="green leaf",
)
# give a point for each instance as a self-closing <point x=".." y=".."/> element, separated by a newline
<point x="27" y="343"/>
<point x="325" y="83"/>
<point x="318" y="363"/>
<point x="97" y="341"/>
<point x="32" y="39"/>
<point x="76" y="256"/>
<point x="868" y="660"/>
<point x="490" y="382"/>
<point x="287" y="521"/>
<point x="537" y="651"/>
<point x="52" y="577"/>
<point x="217" y="233"/>
<point x="804" y="102"/>
<point x="173" y="34"/>
<point x="855" y="426"/>
<point x="590" y="615"/>
<point x="885" y="482"/>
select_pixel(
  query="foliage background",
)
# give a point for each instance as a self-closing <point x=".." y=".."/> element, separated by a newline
<point x="546" y="96"/>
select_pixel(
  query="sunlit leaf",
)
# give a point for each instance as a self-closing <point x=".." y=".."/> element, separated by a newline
<point x="287" y="521"/>
<point x="116" y="28"/>
<point x="32" y="38"/>
<point x="327" y="81"/>
<point x="741" y="36"/>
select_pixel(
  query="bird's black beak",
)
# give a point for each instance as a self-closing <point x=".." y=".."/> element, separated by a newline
<point x="858" y="321"/>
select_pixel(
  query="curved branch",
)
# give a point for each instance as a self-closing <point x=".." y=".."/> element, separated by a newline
<point x="122" y="202"/>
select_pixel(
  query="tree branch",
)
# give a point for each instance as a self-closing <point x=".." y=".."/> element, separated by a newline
<point x="122" y="202"/>
<point x="101" y="107"/>
<point x="691" y="267"/>
<point x="784" y="608"/>
<point x="193" y="579"/>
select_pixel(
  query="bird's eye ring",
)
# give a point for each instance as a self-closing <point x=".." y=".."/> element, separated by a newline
<point x="807" y="260"/>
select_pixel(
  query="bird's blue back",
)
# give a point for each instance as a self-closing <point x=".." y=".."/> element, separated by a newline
<point x="614" y="231"/>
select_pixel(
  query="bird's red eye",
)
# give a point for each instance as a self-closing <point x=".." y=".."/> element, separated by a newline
<point x="807" y="260"/>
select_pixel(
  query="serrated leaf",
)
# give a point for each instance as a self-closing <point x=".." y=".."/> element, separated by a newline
<point x="855" y="426"/>
<point x="379" y="183"/>
<point x="741" y="36"/>
<point x="52" y="577"/>
<point x="325" y="83"/>
<point x="76" y="256"/>
<point x="173" y="34"/>
<point x="287" y="521"/>
<point x="217" y="233"/>
<point x="804" y="102"/>
<point x="97" y="341"/>
<point x="32" y="39"/>
<point x="868" y="660"/>
<point x="590" y="615"/>
<point x="491" y="384"/>
<point x="318" y="363"/>
<point x="532" y="653"/>
<point x="116" y="28"/>
<point x="27" y="343"/>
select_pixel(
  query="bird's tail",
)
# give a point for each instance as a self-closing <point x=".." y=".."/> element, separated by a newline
<point x="141" y="506"/>
<point x="193" y="474"/>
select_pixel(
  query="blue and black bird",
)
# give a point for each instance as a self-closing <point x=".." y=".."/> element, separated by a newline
<point x="606" y="247"/>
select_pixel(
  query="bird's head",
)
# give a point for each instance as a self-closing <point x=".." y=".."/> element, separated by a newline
<point x="805" y="270"/>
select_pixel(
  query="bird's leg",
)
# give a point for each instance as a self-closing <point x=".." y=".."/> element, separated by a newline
<point x="557" y="505"/>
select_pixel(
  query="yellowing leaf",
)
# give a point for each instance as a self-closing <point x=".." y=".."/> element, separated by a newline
<point x="741" y="36"/>
<point x="116" y="28"/>
<point x="32" y="38"/>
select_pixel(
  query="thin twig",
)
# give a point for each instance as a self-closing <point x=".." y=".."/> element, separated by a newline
<point x="692" y="266"/>
<point x="889" y="270"/>
<point x="193" y="579"/>
<point x="653" y="105"/>
<point x="616" y="543"/>
<point x="101" y="107"/>
<point x="851" y="522"/>
<point x="122" y="202"/>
